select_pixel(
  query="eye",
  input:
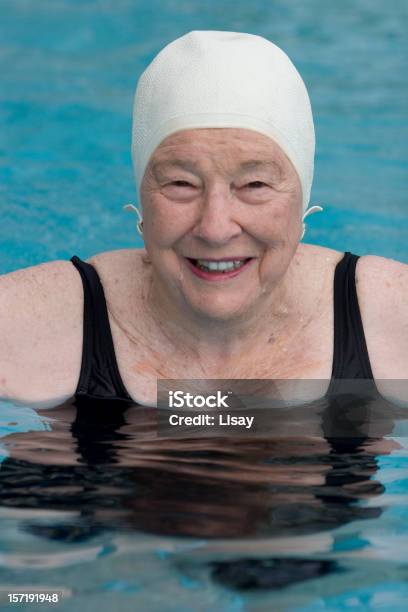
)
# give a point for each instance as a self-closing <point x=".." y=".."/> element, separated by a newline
<point x="257" y="184"/>
<point x="181" y="184"/>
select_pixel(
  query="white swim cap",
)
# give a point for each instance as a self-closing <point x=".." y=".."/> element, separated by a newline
<point x="224" y="79"/>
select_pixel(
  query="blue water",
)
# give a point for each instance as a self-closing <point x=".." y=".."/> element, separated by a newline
<point x="99" y="507"/>
<point x="68" y="74"/>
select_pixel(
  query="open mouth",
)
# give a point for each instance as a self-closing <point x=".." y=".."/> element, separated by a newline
<point x="218" y="267"/>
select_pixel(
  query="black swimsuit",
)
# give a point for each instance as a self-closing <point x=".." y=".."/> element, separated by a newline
<point x="100" y="378"/>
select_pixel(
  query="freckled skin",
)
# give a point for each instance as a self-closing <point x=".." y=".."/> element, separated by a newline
<point x="215" y="209"/>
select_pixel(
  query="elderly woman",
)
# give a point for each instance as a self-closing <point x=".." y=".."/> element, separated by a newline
<point x="223" y="149"/>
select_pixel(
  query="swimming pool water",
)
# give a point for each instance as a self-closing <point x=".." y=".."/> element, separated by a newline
<point x="68" y="76"/>
<point x="96" y="504"/>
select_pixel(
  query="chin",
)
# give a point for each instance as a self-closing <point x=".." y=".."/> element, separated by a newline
<point x="221" y="310"/>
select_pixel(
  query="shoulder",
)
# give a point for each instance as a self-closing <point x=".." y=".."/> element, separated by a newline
<point x="382" y="287"/>
<point x="316" y="265"/>
<point x="388" y="275"/>
<point x="382" y="291"/>
<point x="39" y="292"/>
<point x="318" y="257"/>
<point x="117" y="263"/>
<point x="44" y="282"/>
<point x="38" y="305"/>
<point x="121" y="273"/>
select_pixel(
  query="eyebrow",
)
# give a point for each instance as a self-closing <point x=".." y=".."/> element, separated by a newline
<point x="256" y="163"/>
<point x="189" y="165"/>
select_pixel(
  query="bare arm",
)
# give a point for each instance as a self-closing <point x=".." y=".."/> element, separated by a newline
<point x="386" y="284"/>
<point x="40" y="333"/>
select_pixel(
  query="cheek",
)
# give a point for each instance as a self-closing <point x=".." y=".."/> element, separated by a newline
<point x="162" y="222"/>
<point x="277" y="226"/>
<point x="287" y="219"/>
<point x="291" y="229"/>
<point x="279" y="233"/>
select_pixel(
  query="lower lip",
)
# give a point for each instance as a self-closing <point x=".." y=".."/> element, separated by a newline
<point x="219" y="276"/>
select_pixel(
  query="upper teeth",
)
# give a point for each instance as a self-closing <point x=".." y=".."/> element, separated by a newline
<point x="220" y="265"/>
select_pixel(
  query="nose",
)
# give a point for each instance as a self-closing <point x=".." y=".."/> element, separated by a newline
<point x="217" y="217"/>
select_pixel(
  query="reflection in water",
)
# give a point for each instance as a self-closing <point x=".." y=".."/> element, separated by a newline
<point x="250" y="574"/>
<point x="122" y="476"/>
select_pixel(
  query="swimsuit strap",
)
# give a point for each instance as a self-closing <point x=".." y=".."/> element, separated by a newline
<point x="99" y="377"/>
<point x="350" y="355"/>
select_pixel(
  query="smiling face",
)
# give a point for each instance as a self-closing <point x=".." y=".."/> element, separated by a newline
<point x="217" y="194"/>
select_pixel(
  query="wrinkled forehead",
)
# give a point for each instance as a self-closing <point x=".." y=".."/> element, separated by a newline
<point x="245" y="146"/>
